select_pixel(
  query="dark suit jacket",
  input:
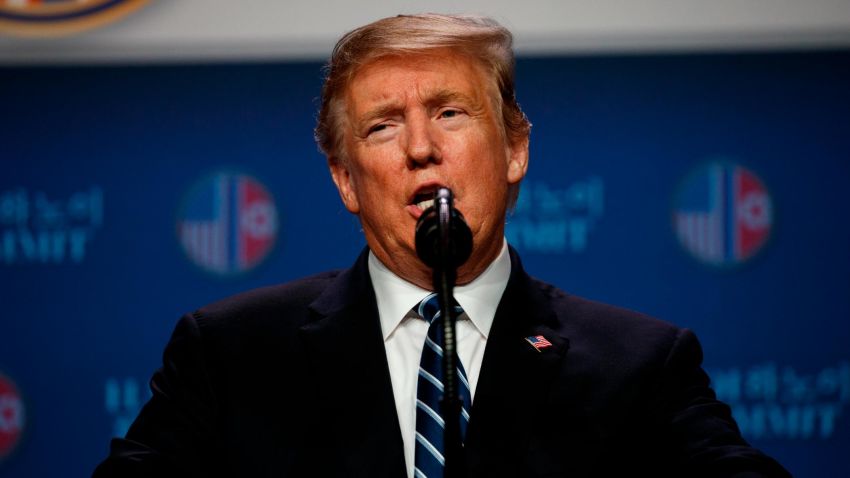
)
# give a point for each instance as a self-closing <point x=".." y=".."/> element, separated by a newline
<point x="292" y="380"/>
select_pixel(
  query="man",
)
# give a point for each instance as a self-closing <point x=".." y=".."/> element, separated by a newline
<point x="325" y="376"/>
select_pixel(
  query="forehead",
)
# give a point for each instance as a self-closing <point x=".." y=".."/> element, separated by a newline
<point x="416" y="76"/>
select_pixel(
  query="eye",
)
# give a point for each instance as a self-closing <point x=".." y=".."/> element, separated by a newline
<point x="376" y="128"/>
<point x="449" y="113"/>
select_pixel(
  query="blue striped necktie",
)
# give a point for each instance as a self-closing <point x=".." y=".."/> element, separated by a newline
<point x="430" y="454"/>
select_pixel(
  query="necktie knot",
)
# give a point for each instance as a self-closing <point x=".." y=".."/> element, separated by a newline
<point x="429" y="308"/>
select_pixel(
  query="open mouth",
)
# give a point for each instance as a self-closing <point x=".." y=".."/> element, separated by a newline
<point x="425" y="201"/>
<point x="423" y="198"/>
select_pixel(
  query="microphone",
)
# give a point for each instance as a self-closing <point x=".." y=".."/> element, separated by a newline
<point x="444" y="243"/>
<point x="455" y="248"/>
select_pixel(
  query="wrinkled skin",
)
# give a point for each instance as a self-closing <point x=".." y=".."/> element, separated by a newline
<point x="413" y="123"/>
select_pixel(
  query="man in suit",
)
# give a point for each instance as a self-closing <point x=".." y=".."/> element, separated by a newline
<point x="322" y="376"/>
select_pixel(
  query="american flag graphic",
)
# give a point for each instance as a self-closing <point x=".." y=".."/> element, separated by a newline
<point x="723" y="214"/>
<point x="228" y="223"/>
<point x="538" y="342"/>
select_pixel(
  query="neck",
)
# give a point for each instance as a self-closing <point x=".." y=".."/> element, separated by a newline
<point x="413" y="270"/>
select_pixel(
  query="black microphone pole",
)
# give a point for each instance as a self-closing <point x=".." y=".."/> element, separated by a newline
<point x="444" y="242"/>
<point x="444" y="282"/>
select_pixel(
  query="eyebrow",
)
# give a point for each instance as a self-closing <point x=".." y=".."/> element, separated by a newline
<point x="380" y="111"/>
<point x="449" y="96"/>
<point x="438" y="98"/>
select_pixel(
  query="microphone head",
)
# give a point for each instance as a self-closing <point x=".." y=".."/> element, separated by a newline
<point x="428" y="234"/>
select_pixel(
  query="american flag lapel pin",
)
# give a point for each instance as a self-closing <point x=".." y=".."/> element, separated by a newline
<point x="539" y="342"/>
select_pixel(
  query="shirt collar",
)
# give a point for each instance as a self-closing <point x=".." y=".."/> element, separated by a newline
<point x="479" y="299"/>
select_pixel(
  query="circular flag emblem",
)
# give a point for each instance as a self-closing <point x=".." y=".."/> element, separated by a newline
<point x="61" y="17"/>
<point x="228" y="223"/>
<point x="723" y="214"/>
<point x="12" y="417"/>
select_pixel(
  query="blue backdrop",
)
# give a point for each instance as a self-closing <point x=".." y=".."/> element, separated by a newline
<point x="706" y="190"/>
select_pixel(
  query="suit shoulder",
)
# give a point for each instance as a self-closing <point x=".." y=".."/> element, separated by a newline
<point x="289" y="299"/>
<point x="607" y="324"/>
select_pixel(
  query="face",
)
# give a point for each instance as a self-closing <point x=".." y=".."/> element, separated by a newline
<point x="415" y="123"/>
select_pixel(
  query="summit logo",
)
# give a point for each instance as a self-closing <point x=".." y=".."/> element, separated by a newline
<point x="228" y="223"/>
<point x="723" y="214"/>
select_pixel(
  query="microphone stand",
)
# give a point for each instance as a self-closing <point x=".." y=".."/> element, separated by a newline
<point x="445" y="276"/>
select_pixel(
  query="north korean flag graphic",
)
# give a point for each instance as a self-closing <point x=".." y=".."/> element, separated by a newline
<point x="723" y="214"/>
<point x="12" y="417"/>
<point x="257" y="223"/>
<point x="753" y="213"/>
<point x="228" y="223"/>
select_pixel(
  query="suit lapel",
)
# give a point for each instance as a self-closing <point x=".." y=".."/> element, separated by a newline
<point x="354" y="405"/>
<point x="515" y="378"/>
<point x="347" y="359"/>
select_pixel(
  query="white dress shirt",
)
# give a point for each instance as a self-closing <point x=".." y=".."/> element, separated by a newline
<point x="404" y="332"/>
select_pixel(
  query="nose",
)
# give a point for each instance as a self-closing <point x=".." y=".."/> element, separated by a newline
<point x="422" y="142"/>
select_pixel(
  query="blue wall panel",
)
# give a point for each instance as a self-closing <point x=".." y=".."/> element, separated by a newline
<point x="97" y="163"/>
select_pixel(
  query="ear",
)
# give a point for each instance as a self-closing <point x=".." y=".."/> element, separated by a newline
<point x="517" y="161"/>
<point x="344" y="184"/>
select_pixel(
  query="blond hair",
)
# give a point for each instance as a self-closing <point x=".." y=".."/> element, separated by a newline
<point x="481" y="38"/>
